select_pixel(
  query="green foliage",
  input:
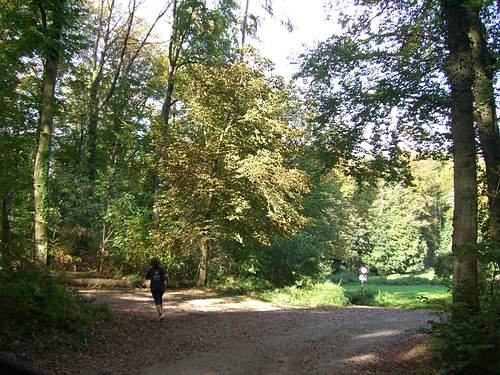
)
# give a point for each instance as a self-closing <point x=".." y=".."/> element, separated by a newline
<point x="443" y="265"/>
<point x="465" y="341"/>
<point x="226" y="177"/>
<point x="469" y="345"/>
<point x="128" y="228"/>
<point x="181" y="264"/>
<point x="289" y="261"/>
<point x="387" y="227"/>
<point x="360" y="75"/>
<point x="325" y="294"/>
<point x="394" y="234"/>
<point x="408" y="291"/>
<point x="204" y="34"/>
<point x="33" y="302"/>
<point x="361" y="296"/>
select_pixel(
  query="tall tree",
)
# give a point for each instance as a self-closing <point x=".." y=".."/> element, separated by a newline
<point x="387" y="72"/>
<point x="52" y="15"/>
<point x="198" y="34"/>
<point x="15" y="134"/>
<point x="460" y="76"/>
<point x="485" y="113"/>
<point x="228" y="180"/>
<point x="114" y="52"/>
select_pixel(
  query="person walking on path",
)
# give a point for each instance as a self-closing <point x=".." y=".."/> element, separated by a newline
<point x="157" y="276"/>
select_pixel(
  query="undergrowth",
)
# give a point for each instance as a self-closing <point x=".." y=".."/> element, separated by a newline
<point x="427" y="278"/>
<point x="468" y="345"/>
<point x="325" y="294"/>
<point x="34" y="302"/>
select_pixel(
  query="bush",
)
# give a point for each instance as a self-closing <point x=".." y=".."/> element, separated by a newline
<point x="443" y="265"/>
<point x="470" y="345"/>
<point x="361" y="296"/>
<point x="345" y="277"/>
<point x="34" y="302"/>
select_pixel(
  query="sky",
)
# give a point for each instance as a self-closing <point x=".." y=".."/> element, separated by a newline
<point x="273" y="40"/>
<point x="308" y="18"/>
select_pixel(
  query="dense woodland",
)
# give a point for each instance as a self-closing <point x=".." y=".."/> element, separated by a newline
<point x="117" y="146"/>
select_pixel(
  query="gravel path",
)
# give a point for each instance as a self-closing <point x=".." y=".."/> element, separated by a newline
<point x="205" y="333"/>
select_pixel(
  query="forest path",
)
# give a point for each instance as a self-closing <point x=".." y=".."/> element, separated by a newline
<point x="204" y="333"/>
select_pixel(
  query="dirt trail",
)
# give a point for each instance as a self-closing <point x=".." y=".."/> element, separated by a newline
<point x="205" y="333"/>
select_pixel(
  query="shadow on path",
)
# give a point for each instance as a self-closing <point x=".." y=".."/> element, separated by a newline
<point x="206" y="333"/>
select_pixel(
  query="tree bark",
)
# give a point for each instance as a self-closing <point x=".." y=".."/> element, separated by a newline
<point x="168" y="102"/>
<point x="202" y="267"/>
<point x="486" y="120"/>
<point x="459" y="71"/>
<point x="245" y="24"/>
<point x="99" y="60"/>
<point x="174" y="50"/>
<point x="41" y="169"/>
<point x="92" y="136"/>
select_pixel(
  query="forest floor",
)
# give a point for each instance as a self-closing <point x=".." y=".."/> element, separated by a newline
<point x="205" y="333"/>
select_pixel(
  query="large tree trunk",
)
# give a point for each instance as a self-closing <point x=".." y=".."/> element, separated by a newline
<point x="487" y="123"/>
<point x="41" y="172"/>
<point x="41" y="169"/>
<point x="202" y="267"/>
<point x="464" y="155"/>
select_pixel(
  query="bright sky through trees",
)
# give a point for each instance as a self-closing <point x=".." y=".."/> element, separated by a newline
<point x="273" y="39"/>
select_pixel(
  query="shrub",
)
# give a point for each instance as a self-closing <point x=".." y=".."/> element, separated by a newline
<point x="361" y="296"/>
<point x="34" y="302"/>
<point x="344" y="277"/>
<point x="470" y="345"/>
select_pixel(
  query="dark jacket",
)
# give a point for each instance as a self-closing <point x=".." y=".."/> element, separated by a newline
<point x="157" y="277"/>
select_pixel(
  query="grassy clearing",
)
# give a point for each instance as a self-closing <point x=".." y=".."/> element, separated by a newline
<point x="329" y="294"/>
<point x="405" y="291"/>
<point x="326" y="294"/>
<point x="406" y="296"/>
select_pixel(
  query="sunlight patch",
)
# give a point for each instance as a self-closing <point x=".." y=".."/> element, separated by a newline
<point x="363" y="358"/>
<point x="386" y="333"/>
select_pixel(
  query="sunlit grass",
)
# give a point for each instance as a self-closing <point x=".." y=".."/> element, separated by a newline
<point x="330" y="294"/>
<point x="398" y="290"/>
<point x="326" y="294"/>
<point x="406" y="296"/>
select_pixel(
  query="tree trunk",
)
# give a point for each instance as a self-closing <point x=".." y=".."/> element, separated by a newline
<point x="202" y="267"/>
<point x="92" y="134"/>
<point x="486" y="120"/>
<point x="167" y="103"/>
<point x="41" y="170"/>
<point x="459" y="72"/>
<point x="174" y="49"/>
<point x="244" y="26"/>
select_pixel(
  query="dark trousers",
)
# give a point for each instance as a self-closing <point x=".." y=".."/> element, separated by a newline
<point x="158" y="295"/>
